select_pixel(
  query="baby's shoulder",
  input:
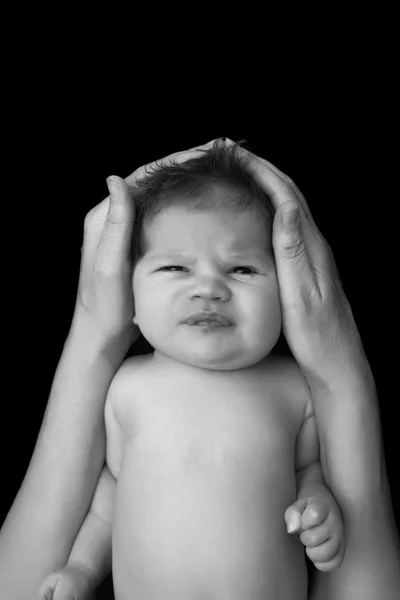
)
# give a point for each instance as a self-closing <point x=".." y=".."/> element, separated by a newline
<point x="129" y="375"/>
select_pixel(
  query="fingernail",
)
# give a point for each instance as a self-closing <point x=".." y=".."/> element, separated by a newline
<point x="295" y="523"/>
<point x="112" y="181"/>
<point x="290" y="217"/>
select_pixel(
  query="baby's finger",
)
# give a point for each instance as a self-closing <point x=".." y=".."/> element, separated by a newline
<point x="314" y="536"/>
<point x="330" y="552"/>
<point x="48" y="586"/>
<point x="179" y="157"/>
<point x="292" y="516"/>
<point x="314" y="514"/>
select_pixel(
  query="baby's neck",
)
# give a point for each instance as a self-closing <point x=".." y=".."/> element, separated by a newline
<point x="163" y="360"/>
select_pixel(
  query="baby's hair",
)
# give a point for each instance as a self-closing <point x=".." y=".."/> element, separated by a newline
<point x="218" y="178"/>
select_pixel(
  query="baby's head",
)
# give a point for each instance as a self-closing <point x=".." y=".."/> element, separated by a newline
<point x="202" y="241"/>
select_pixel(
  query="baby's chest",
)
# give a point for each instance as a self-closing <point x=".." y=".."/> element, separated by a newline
<point x="237" y="422"/>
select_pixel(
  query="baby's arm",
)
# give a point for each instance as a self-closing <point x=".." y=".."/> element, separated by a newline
<point x="315" y="514"/>
<point x="90" y="558"/>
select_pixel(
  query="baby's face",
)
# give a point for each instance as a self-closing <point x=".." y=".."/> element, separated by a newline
<point x="225" y="264"/>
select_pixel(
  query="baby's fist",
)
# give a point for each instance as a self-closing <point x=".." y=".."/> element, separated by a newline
<point x="321" y="530"/>
<point x="73" y="582"/>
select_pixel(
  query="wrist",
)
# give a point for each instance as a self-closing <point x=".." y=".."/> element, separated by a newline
<point x="315" y="489"/>
<point x="92" y="568"/>
<point x="88" y="579"/>
<point x="357" y="379"/>
<point x="86" y="337"/>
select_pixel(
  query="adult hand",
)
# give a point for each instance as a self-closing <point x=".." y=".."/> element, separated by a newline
<point x="105" y="296"/>
<point x="317" y="319"/>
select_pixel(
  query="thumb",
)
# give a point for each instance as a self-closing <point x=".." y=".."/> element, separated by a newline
<point x="293" y="515"/>
<point x="287" y="228"/>
<point x="121" y="206"/>
<point x="117" y="235"/>
<point x="292" y="260"/>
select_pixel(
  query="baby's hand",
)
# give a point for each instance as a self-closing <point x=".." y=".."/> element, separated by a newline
<point x="73" y="582"/>
<point x="320" y="525"/>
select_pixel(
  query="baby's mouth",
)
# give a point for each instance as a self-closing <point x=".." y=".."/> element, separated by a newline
<point x="209" y="319"/>
<point x="211" y="324"/>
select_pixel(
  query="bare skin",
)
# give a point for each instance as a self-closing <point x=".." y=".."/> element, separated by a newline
<point x="47" y="512"/>
<point x="337" y="389"/>
<point x="321" y="332"/>
<point x="206" y="469"/>
<point x="371" y="570"/>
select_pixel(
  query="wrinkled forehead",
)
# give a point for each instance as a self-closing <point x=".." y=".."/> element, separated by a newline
<point x="237" y="228"/>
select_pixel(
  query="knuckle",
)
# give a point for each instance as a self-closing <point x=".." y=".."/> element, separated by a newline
<point x="292" y="183"/>
<point x="308" y="538"/>
<point x="112" y="218"/>
<point x="315" y="540"/>
<point x="314" y="508"/>
<point x="117" y="217"/>
<point x="294" y="245"/>
<point x="286" y="182"/>
<point x="332" y="552"/>
<point x="317" y="553"/>
<point x="311" y="538"/>
<point x="318" y="511"/>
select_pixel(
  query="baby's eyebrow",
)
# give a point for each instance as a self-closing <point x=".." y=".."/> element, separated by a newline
<point x="192" y="259"/>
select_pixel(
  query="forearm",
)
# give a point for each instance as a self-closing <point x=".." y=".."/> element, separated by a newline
<point x="55" y="496"/>
<point x="349" y="431"/>
<point x="353" y="463"/>
<point x="92" y="550"/>
<point x="351" y="447"/>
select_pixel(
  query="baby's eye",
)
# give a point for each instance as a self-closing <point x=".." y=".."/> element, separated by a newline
<point x="248" y="268"/>
<point x="179" y="267"/>
<point x="171" y="267"/>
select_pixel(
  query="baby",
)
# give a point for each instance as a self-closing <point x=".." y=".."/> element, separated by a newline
<point x="211" y="437"/>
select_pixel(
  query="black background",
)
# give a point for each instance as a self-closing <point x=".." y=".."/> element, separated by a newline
<point x="68" y="128"/>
